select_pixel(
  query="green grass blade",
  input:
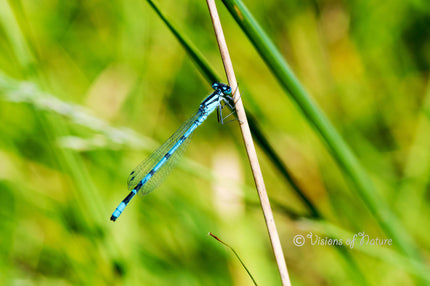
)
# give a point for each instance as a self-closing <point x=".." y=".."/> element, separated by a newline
<point x="276" y="160"/>
<point x="258" y="135"/>
<point x="191" y="50"/>
<point x="339" y="149"/>
<point x="382" y="253"/>
<point x="262" y="141"/>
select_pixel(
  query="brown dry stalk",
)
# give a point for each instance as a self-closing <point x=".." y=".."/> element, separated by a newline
<point x="249" y="146"/>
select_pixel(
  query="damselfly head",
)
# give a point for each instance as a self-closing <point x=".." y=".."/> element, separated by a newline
<point x="223" y="87"/>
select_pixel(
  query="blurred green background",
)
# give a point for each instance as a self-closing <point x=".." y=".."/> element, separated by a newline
<point x="89" y="88"/>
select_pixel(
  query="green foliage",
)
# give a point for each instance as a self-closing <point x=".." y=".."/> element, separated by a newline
<point x="88" y="89"/>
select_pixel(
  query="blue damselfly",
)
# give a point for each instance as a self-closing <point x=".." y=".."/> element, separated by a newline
<point x="152" y="171"/>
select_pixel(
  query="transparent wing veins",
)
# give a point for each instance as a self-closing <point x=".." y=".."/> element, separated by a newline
<point x="148" y="164"/>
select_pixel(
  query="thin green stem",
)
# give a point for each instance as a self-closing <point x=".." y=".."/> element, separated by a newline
<point x="333" y="140"/>
<point x="237" y="256"/>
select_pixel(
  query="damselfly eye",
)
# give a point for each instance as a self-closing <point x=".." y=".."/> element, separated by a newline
<point x="215" y="85"/>
<point x="226" y="89"/>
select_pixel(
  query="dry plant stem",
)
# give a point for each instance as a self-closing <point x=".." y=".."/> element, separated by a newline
<point x="249" y="145"/>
